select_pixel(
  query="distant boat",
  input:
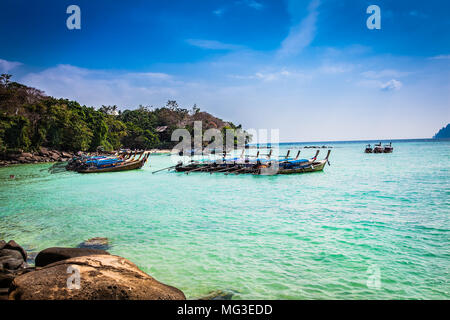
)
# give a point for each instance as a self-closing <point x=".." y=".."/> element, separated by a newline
<point x="378" y="148"/>
<point x="369" y="149"/>
<point x="388" y="148"/>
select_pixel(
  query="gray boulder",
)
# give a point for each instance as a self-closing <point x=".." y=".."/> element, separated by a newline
<point x="10" y="253"/>
<point x="12" y="257"/>
<point x="14" y="246"/>
<point x="10" y="263"/>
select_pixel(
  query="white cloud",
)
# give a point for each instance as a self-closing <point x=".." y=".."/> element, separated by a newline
<point x="213" y="44"/>
<point x="253" y="4"/>
<point x="98" y="87"/>
<point x="6" y="66"/>
<point x="271" y="76"/>
<point x="335" y="68"/>
<point x="391" y="85"/>
<point x="301" y="34"/>
<point x="274" y="75"/>
<point x="386" y="73"/>
<point x="440" y="57"/>
<point x="153" y="75"/>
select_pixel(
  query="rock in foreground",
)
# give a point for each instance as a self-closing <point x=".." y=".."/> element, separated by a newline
<point x="12" y="256"/>
<point x="12" y="245"/>
<point x="55" y="254"/>
<point x="12" y="263"/>
<point x="102" y="277"/>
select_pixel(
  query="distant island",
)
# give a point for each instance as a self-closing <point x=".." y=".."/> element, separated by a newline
<point x="444" y="133"/>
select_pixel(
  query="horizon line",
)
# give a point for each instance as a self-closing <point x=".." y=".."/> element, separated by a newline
<point x="366" y="140"/>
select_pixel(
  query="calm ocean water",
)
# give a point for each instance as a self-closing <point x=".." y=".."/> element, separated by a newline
<point x="371" y="226"/>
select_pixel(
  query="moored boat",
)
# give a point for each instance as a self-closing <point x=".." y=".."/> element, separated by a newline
<point x="368" y="149"/>
<point x="105" y="164"/>
<point x="388" y="148"/>
<point x="378" y="148"/>
<point x="259" y="166"/>
<point x="312" y="165"/>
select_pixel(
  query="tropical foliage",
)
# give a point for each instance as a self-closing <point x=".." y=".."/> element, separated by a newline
<point x="29" y="119"/>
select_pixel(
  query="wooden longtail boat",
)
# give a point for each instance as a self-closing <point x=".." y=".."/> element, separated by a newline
<point x="378" y="148"/>
<point x="388" y="148"/>
<point x="258" y="166"/>
<point x="311" y="167"/>
<point x="117" y="166"/>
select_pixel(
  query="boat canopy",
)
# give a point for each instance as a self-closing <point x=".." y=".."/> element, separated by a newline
<point x="298" y="161"/>
<point x="104" y="161"/>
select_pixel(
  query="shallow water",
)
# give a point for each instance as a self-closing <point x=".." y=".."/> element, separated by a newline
<point x="325" y="235"/>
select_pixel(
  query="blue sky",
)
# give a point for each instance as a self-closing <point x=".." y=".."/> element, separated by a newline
<point x="309" y="68"/>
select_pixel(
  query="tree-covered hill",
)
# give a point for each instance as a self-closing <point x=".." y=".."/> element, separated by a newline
<point x="444" y="133"/>
<point x="30" y="119"/>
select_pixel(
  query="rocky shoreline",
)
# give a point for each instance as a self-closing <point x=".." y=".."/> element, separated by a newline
<point x="43" y="155"/>
<point x="76" y="274"/>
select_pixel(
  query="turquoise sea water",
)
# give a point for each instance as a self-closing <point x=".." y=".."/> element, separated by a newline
<point x="325" y="235"/>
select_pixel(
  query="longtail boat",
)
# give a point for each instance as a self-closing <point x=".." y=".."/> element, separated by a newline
<point x="312" y="165"/>
<point x="258" y="166"/>
<point x="109" y="164"/>
<point x="378" y="148"/>
<point x="388" y="148"/>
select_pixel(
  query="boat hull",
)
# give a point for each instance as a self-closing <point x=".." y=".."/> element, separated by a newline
<point x="378" y="150"/>
<point x="259" y="167"/>
<point x="316" y="166"/>
<point x="124" y="167"/>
